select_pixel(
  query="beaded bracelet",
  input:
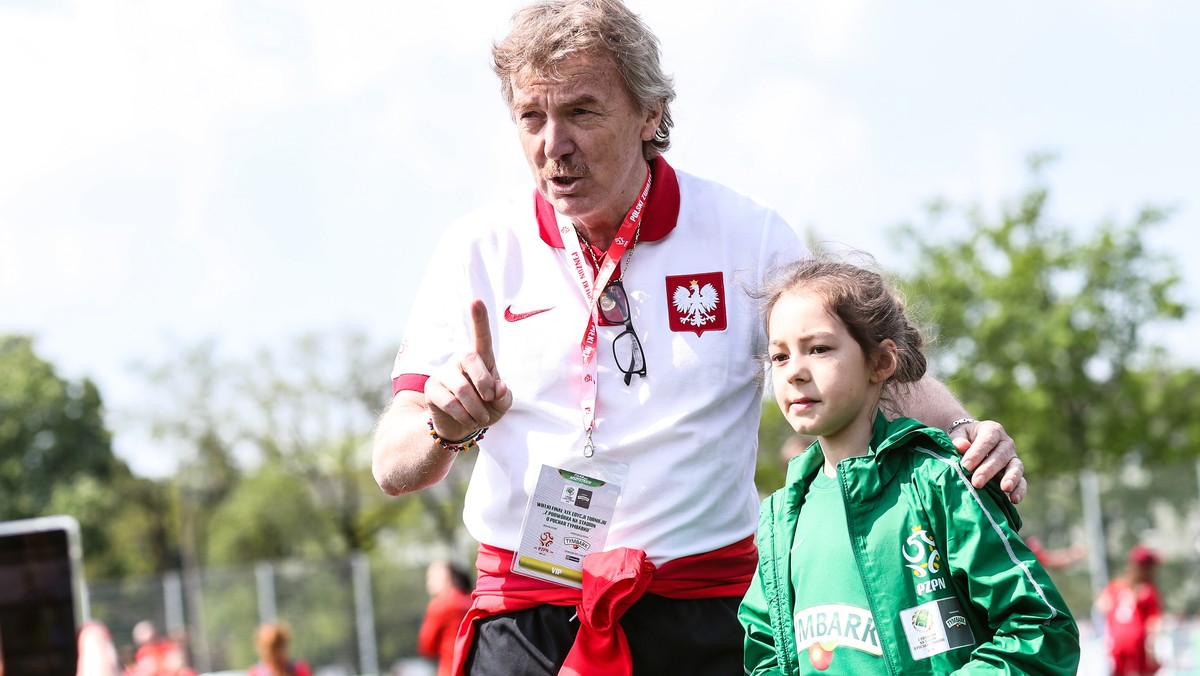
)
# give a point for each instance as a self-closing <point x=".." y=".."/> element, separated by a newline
<point x="465" y="444"/>
<point x="959" y="423"/>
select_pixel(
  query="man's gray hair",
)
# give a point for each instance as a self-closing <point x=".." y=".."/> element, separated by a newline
<point x="548" y="32"/>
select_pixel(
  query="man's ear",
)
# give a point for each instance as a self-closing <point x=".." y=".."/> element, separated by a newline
<point x="653" y="119"/>
<point x="887" y="358"/>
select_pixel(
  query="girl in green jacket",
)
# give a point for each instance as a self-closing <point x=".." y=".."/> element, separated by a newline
<point x="878" y="556"/>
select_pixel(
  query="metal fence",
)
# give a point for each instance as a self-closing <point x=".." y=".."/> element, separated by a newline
<point x="350" y="616"/>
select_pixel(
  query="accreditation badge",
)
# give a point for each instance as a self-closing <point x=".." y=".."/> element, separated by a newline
<point x="936" y="627"/>
<point x="567" y="518"/>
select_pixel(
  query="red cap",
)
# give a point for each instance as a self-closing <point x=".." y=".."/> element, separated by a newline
<point x="1143" y="556"/>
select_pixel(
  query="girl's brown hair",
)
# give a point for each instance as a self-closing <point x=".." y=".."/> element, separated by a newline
<point x="871" y="309"/>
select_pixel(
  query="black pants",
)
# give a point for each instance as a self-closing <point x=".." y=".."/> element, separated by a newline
<point x="698" y="637"/>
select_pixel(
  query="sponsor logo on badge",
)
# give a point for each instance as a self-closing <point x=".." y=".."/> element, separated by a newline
<point x="920" y="620"/>
<point x="696" y="302"/>
<point x="545" y="540"/>
<point x="576" y="543"/>
<point x="583" y="498"/>
<point x="935" y="627"/>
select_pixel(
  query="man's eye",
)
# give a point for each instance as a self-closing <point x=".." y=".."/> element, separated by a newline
<point x="581" y="111"/>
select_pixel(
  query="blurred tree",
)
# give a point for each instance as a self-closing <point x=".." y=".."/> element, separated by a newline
<point x="51" y="431"/>
<point x="126" y="523"/>
<point x="774" y="434"/>
<point x="281" y="521"/>
<point x="56" y="457"/>
<point x="277" y="452"/>
<point x="195" y="417"/>
<point x="1043" y="330"/>
<point x="312" y="410"/>
<point x="1170" y="398"/>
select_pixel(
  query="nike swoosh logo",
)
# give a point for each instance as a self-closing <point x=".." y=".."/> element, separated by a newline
<point x="511" y="316"/>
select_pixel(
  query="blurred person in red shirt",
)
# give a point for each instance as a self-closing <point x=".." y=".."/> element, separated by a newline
<point x="450" y="592"/>
<point x="272" y="641"/>
<point x="156" y="655"/>
<point x="1132" y="612"/>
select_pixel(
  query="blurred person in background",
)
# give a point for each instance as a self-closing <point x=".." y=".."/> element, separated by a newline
<point x="1055" y="558"/>
<point x="97" y="654"/>
<point x="272" y="642"/>
<point x="156" y="655"/>
<point x="449" y="590"/>
<point x="1132" y="610"/>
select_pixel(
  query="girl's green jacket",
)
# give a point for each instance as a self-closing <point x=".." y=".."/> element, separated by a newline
<point x="952" y="588"/>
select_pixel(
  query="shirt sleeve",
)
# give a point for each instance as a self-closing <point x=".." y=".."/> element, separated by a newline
<point x="782" y="245"/>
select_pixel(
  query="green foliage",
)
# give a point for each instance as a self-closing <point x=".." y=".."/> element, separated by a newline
<point x="56" y="457"/>
<point x="1043" y="329"/>
<point x="1172" y="428"/>
<point x="277" y="453"/>
<point x="774" y="433"/>
<point x="230" y="604"/>
<point x="51" y="431"/>
<point x="399" y="618"/>
<point x="287" y="521"/>
<point x="124" y="523"/>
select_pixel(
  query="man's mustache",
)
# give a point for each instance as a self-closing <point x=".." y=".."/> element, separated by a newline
<point x="563" y="169"/>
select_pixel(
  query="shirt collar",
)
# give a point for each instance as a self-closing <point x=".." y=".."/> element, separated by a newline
<point x="662" y="208"/>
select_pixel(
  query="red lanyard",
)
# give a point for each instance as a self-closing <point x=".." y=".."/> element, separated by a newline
<point x="591" y="288"/>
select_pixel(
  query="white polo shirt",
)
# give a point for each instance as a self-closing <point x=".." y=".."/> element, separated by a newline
<point x="688" y="431"/>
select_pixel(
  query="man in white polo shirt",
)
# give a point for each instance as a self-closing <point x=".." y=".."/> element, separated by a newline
<point x="601" y="334"/>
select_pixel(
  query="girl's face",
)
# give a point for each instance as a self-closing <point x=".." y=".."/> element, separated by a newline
<point x="820" y="374"/>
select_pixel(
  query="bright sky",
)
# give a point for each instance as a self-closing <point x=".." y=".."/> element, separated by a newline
<point x="249" y="171"/>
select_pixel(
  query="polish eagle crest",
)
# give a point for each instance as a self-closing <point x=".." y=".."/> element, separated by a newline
<point x="696" y="303"/>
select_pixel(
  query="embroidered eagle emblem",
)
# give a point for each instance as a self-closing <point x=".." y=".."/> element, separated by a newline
<point x="696" y="303"/>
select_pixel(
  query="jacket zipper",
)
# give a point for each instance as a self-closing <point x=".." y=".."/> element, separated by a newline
<point x="855" y="549"/>
<point x="779" y="598"/>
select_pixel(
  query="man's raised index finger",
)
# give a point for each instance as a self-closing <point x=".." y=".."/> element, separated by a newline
<point x="481" y="329"/>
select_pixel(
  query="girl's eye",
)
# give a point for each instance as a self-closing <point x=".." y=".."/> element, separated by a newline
<point x="779" y="358"/>
<point x="820" y="349"/>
